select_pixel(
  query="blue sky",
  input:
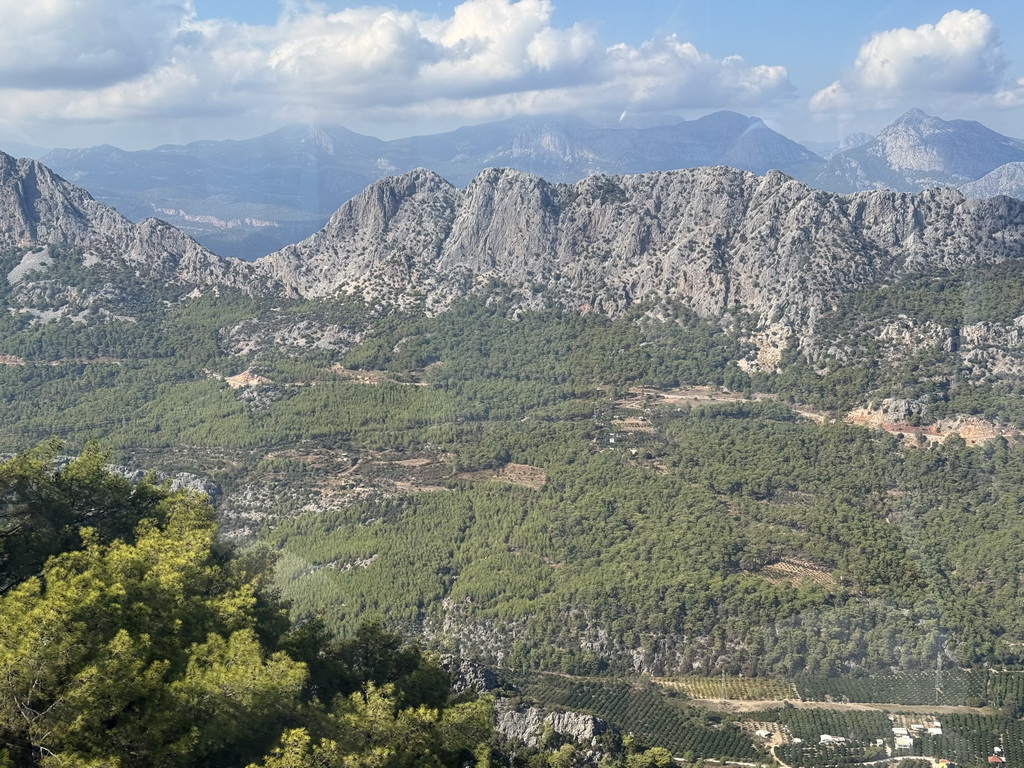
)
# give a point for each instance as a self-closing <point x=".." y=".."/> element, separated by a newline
<point x="138" y="73"/>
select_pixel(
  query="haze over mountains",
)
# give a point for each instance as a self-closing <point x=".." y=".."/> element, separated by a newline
<point x="248" y="198"/>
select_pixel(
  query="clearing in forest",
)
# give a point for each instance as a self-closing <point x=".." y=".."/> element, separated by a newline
<point x="796" y="571"/>
<point x="513" y="474"/>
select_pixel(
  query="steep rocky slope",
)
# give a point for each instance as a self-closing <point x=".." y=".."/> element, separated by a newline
<point x="1007" y="179"/>
<point x="39" y="208"/>
<point x="247" y="198"/>
<point x="717" y="239"/>
<point x="918" y="151"/>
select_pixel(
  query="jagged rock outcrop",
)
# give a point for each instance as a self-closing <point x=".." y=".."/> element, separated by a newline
<point x="37" y="207"/>
<point x="178" y="481"/>
<point x="716" y="239"/>
<point x="467" y="676"/>
<point x="526" y="723"/>
<point x="258" y="195"/>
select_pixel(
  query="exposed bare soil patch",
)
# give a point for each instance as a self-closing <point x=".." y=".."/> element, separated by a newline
<point x="972" y="429"/>
<point x="420" y="462"/>
<point x="794" y="572"/>
<point x="514" y="474"/>
<point x="406" y="486"/>
<point x="637" y="397"/>
<point x="246" y="379"/>
<point x="363" y="377"/>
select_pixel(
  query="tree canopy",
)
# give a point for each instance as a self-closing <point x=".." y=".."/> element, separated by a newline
<point x="158" y="648"/>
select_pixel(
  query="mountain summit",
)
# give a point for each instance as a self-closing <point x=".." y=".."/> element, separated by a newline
<point x="918" y="151"/>
<point x="39" y="208"/>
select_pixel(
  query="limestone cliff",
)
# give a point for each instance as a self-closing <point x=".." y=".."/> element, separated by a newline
<point x="717" y="239"/>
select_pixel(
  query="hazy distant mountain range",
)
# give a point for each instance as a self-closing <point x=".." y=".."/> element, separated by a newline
<point x="248" y="198"/>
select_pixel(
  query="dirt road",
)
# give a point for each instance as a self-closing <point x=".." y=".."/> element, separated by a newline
<point x="736" y="705"/>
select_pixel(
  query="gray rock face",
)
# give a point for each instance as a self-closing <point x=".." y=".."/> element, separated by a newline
<point x="247" y="198"/>
<point x="918" y="151"/>
<point x="526" y="723"/>
<point x="38" y="208"/>
<point x="1007" y="179"/>
<point x="468" y="676"/>
<point x="716" y="239"/>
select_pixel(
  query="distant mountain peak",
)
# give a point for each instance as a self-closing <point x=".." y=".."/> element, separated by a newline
<point x="918" y="151"/>
<point x="1007" y="179"/>
<point x="913" y="115"/>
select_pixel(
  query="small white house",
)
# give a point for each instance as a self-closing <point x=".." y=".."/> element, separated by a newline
<point x="900" y="732"/>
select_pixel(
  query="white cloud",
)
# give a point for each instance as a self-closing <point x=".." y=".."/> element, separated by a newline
<point x="81" y="45"/>
<point x="959" y="57"/>
<point x="488" y="59"/>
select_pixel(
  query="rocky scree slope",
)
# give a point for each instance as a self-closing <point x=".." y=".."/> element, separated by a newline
<point x="716" y="239"/>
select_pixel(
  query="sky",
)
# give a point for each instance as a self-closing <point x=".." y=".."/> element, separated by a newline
<point x="140" y="73"/>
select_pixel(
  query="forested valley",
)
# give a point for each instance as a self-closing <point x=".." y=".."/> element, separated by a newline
<point x="533" y="488"/>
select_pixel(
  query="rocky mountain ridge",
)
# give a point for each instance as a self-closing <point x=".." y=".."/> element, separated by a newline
<point x="721" y="241"/>
<point x="38" y="208"/>
<point x="717" y="239"/>
<point x="275" y="189"/>
<point x="250" y="197"/>
<point x="1007" y="180"/>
